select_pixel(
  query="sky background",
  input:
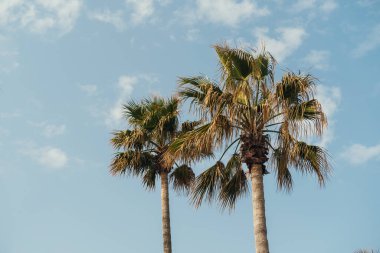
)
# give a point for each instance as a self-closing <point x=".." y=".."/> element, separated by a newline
<point x="67" y="66"/>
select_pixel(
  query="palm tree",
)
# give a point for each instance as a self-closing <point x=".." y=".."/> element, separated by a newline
<point x="154" y="125"/>
<point x="255" y="119"/>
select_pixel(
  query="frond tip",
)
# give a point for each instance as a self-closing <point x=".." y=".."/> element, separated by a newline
<point x="311" y="159"/>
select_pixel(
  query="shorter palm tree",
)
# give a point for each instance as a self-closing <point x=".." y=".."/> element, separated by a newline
<point x="154" y="125"/>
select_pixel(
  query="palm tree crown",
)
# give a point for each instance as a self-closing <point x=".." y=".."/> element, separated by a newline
<point x="155" y="125"/>
<point x="260" y="118"/>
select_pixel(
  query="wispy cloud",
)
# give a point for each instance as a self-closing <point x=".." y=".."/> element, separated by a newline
<point x="89" y="89"/>
<point x="328" y="6"/>
<point x="50" y="130"/>
<point x="330" y="98"/>
<point x="8" y="115"/>
<point x="141" y="10"/>
<point x="369" y="43"/>
<point x="39" y="16"/>
<point x="192" y="34"/>
<point x="224" y="12"/>
<point x="8" y="55"/>
<point x="318" y="59"/>
<point x="359" y="154"/>
<point x="47" y="156"/>
<point x="366" y="3"/>
<point x="302" y="5"/>
<point x="287" y="40"/>
<point x="325" y="6"/>
<point x="114" y="18"/>
<point x="110" y="112"/>
<point x="125" y="87"/>
<point x="228" y="12"/>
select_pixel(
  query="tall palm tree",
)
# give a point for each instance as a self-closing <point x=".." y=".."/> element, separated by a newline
<point x="255" y="119"/>
<point x="154" y="125"/>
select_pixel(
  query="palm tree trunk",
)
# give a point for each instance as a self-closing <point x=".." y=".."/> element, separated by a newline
<point x="258" y="203"/>
<point x="166" y="234"/>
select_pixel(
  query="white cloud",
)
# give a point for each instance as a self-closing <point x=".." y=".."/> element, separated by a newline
<point x="358" y="154"/>
<point x="301" y="5"/>
<point x="192" y="34"/>
<point x="50" y="130"/>
<point x="288" y="40"/>
<point x="141" y="10"/>
<point x="50" y="157"/>
<point x="318" y="59"/>
<point x="106" y="16"/>
<point x="9" y="115"/>
<point x="330" y="98"/>
<point x="325" y="6"/>
<point x="370" y="43"/>
<point x="39" y="16"/>
<point x="6" y="8"/>
<point x="8" y="55"/>
<point x="328" y="6"/>
<point x="366" y="3"/>
<point x="228" y="12"/>
<point x="89" y="89"/>
<point x="125" y="87"/>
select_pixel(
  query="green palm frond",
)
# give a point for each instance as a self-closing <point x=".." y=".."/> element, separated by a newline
<point x="307" y="110"/>
<point x="235" y="185"/>
<point x="262" y="66"/>
<point x="149" y="178"/>
<point x="168" y="122"/>
<point x="127" y="139"/>
<point x="306" y="116"/>
<point x="280" y="161"/>
<point x="311" y="159"/>
<point x="238" y="64"/>
<point x="131" y="162"/>
<point x="191" y="143"/>
<point x="134" y="113"/>
<point x="189" y="126"/>
<point x="208" y="183"/>
<point x="292" y="153"/>
<point x="200" y="91"/>
<point x="182" y="178"/>
<point x="293" y="88"/>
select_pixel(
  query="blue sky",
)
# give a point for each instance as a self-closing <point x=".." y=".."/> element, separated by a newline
<point x="66" y="66"/>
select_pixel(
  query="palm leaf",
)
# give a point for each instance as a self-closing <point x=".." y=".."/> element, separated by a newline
<point x="127" y="139"/>
<point x="131" y="162"/>
<point x="293" y="88"/>
<point x="235" y="184"/>
<point x="208" y="183"/>
<point x="280" y="162"/>
<point x="149" y="178"/>
<point x="182" y="178"/>
<point x="189" y="126"/>
<point x="311" y="159"/>
<point x="238" y="64"/>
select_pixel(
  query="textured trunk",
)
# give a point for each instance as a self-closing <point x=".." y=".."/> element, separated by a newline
<point x="258" y="203"/>
<point x="166" y="234"/>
